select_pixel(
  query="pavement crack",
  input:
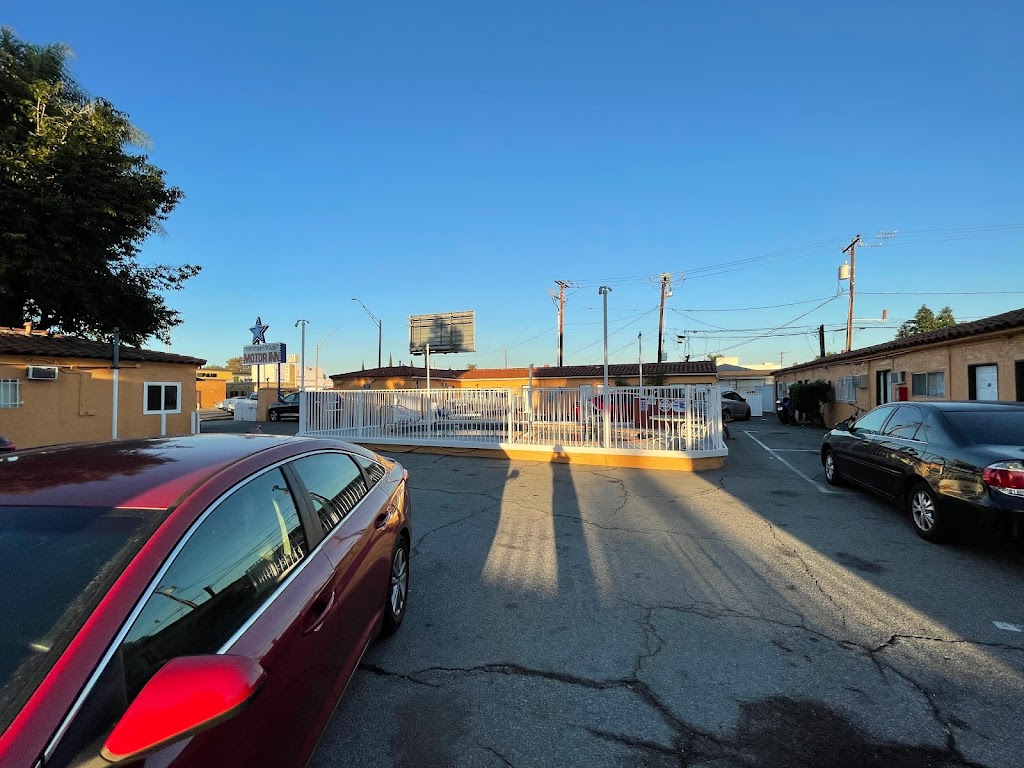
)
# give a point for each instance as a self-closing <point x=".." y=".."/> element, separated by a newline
<point x="807" y="569"/>
<point x="896" y="638"/>
<point x="497" y="754"/>
<point x="419" y="542"/>
<point x="640" y="744"/>
<point x="378" y="671"/>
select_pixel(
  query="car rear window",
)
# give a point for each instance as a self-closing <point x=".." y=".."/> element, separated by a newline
<point x="1002" y="427"/>
<point x="56" y="564"/>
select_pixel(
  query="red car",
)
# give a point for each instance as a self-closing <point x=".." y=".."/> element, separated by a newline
<point x="196" y="601"/>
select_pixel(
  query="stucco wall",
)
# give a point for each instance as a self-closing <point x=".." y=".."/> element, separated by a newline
<point x="78" y="406"/>
<point x="952" y="358"/>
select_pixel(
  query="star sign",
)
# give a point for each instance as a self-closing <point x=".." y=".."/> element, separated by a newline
<point x="259" y="332"/>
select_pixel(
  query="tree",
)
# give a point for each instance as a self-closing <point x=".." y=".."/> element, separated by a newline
<point x="234" y="364"/>
<point x="76" y="205"/>
<point x="925" y="320"/>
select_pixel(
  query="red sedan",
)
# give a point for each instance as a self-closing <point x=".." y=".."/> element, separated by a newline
<point x="198" y="601"/>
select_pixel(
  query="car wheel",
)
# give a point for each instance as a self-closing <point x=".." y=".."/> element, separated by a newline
<point x="924" y="513"/>
<point x="398" y="589"/>
<point x="726" y="415"/>
<point x="274" y="415"/>
<point x="831" y="473"/>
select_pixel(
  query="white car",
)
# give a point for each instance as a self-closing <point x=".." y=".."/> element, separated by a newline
<point x="229" y="404"/>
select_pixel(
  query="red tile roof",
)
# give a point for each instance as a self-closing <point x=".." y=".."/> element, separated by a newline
<point x="1007" y="321"/>
<point x="16" y="342"/>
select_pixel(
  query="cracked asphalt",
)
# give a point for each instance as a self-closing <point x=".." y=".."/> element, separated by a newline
<point x="567" y="615"/>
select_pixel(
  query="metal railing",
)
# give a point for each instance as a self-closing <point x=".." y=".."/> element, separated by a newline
<point x="684" y="418"/>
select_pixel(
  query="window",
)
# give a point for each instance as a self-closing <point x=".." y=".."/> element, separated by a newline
<point x="871" y="422"/>
<point x="905" y="422"/>
<point x="846" y="389"/>
<point x="162" y="397"/>
<point x="226" y="570"/>
<point x="335" y="485"/>
<point x="10" y="393"/>
<point x="374" y="471"/>
<point x="928" y="384"/>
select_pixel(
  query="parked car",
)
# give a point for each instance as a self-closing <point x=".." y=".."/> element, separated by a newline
<point x="6" y="446"/>
<point x="195" y="601"/>
<point x="735" y="406"/>
<point x="950" y="463"/>
<point x="288" y="405"/>
<point x="231" y="402"/>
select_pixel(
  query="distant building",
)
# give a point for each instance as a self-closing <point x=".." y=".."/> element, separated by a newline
<point x="266" y="376"/>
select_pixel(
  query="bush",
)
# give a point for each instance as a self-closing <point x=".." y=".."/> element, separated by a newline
<point x="808" y="398"/>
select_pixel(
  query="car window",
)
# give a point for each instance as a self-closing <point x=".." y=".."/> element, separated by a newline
<point x="46" y="605"/>
<point x="335" y="485"/>
<point x="871" y="423"/>
<point x="374" y="471"/>
<point x="224" y="573"/>
<point x="905" y="422"/>
<point x="997" y="427"/>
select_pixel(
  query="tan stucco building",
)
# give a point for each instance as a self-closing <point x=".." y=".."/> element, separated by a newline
<point x="61" y="389"/>
<point x="979" y="360"/>
<point x="409" y="377"/>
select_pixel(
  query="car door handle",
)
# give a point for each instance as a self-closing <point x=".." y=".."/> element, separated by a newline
<point x="320" y="614"/>
<point x="911" y="452"/>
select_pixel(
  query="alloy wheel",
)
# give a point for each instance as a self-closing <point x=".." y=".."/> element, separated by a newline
<point x="923" y="509"/>
<point x="399" y="582"/>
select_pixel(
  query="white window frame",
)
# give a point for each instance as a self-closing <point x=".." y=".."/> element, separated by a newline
<point x="162" y="384"/>
<point x="846" y="389"/>
<point x="14" y="387"/>
<point x="928" y="388"/>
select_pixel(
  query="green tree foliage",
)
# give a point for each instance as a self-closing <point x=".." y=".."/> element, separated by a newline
<point x="76" y="205"/>
<point x="234" y="364"/>
<point x="925" y="320"/>
<point x="808" y="398"/>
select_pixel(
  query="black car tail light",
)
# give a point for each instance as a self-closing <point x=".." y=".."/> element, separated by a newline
<point x="1006" y="477"/>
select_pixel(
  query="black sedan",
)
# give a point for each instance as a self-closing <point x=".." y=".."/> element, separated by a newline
<point x="950" y="463"/>
<point x="288" y="405"/>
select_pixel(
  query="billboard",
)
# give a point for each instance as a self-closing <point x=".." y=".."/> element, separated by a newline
<point x="270" y="353"/>
<point x="444" y="332"/>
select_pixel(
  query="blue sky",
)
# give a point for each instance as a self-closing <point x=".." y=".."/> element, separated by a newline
<point x="441" y="156"/>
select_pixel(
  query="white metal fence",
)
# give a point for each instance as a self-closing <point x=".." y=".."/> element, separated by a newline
<point x="684" y="418"/>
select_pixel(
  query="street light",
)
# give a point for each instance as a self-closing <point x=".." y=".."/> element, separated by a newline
<point x="379" y="329"/>
<point x="316" y="363"/>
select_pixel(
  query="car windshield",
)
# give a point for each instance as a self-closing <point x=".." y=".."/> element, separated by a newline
<point x="56" y="564"/>
<point x="1002" y="427"/>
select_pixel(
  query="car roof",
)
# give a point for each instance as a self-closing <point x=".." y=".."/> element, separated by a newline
<point x="963" y="405"/>
<point x="142" y="474"/>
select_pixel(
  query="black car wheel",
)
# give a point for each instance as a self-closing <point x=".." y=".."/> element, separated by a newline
<point x="274" y="415"/>
<point x="831" y="472"/>
<point x="924" y="513"/>
<point x="398" y="589"/>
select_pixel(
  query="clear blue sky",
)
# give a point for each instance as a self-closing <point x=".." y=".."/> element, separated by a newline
<point x="437" y="156"/>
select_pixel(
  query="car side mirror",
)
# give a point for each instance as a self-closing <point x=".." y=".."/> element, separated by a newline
<point x="844" y="426"/>
<point x="186" y="696"/>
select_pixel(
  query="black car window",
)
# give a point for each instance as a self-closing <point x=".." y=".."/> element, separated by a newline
<point x="871" y="423"/>
<point x="996" y="427"/>
<point x="905" y="422"/>
<point x="335" y="485"/>
<point x="374" y="471"/>
<point x="226" y="570"/>
<point x="56" y="564"/>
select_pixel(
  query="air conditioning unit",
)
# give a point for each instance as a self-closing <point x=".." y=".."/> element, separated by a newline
<point x="42" y="372"/>
<point x="862" y="381"/>
<point x="899" y="377"/>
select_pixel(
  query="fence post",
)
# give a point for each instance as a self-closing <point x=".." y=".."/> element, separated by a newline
<point x="606" y="401"/>
<point x="690" y="408"/>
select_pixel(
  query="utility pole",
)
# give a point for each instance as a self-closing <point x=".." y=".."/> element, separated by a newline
<point x="852" y="250"/>
<point x="604" y="290"/>
<point x="666" y="285"/>
<point x="562" y="285"/>
<point x="302" y="377"/>
<point x="821" y="339"/>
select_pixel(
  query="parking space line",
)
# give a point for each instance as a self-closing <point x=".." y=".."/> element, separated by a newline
<point x="774" y="454"/>
<point x="795" y="450"/>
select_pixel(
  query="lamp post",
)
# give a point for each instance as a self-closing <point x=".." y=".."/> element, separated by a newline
<point x="379" y="329"/>
<point x="302" y="375"/>
<point x="316" y="358"/>
<point x="604" y="290"/>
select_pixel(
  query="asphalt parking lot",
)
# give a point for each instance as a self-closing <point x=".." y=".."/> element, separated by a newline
<point x="749" y="616"/>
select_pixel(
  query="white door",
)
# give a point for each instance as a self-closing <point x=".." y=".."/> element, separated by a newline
<point x="986" y="382"/>
<point x="753" y="398"/>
